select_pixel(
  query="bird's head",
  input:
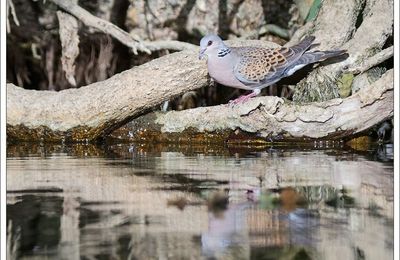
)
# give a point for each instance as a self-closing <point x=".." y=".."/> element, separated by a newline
<point x="210" y="44"/>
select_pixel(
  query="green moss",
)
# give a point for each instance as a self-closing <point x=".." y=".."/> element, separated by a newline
<point x="344" y="84"/>
<point x="309" y="90"/>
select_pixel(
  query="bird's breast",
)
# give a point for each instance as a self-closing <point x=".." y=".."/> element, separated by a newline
<point x="221" y="70"/>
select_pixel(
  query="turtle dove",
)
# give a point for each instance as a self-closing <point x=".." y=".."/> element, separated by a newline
<point x="254" y="68"/>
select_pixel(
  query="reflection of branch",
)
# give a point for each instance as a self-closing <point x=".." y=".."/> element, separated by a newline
<point x="127" y="39"/>
<point x="13" y="240"/>
<point x="372" y="61"/>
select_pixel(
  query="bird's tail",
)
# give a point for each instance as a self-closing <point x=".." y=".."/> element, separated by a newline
<point x="307" y="55"/>
<point x="316" y="56"/>
<point x="304" y="45"/>
<point x="310" y="57"/>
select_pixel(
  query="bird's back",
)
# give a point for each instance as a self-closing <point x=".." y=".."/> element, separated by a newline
<point x="260" y="67"/>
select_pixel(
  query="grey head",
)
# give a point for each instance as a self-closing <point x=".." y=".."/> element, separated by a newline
<point x="210" y="45"/>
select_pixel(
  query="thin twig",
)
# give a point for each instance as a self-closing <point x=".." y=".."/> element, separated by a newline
<point x="127" y="39"/>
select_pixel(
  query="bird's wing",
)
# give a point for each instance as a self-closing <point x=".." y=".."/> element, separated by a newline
<point x="261" y="67"/>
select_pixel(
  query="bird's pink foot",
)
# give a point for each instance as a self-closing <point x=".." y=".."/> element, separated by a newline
<point x="243" y="99"/>
<point x="239" y="100"/>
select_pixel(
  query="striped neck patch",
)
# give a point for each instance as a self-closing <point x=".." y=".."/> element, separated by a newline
<point x="223" y="52"/>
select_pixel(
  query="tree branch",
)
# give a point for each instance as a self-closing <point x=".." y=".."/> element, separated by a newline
<point x="372" y="61"/>
<point x="125" y="38"/>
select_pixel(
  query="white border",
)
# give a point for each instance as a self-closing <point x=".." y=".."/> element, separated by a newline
<point x="396" y="123"/>
<point x="3" y="128"/>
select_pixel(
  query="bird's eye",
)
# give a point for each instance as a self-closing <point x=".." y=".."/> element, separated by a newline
<point x="209" y="43"/>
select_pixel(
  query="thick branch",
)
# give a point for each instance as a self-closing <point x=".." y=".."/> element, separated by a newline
<point x="125" y="38"/>
<point x="272" y="118"/>
<point x="92" y="111"/>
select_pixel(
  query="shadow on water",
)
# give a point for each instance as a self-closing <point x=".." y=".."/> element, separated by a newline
<point x="198" y="202"/>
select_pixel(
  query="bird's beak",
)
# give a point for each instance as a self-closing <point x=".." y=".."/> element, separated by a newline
<point x="201" y="53"/>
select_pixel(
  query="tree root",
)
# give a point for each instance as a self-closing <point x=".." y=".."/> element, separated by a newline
<point x="267" y="119"/>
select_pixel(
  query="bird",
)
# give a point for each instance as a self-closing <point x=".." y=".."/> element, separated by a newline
<point x="254" y="68"/>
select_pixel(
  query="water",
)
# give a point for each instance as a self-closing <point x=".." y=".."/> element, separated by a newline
<point x="202" y="202"/>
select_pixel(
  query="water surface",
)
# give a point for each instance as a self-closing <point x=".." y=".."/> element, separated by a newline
<point x="198" y="202"/>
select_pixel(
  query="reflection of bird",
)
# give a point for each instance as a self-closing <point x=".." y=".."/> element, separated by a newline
<point x="218" y="201"/>
<point x="254" y="68"/>
<point x="227" y="234"/>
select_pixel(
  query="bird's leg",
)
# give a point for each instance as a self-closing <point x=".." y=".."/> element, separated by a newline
<point x="244" y="98"/>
